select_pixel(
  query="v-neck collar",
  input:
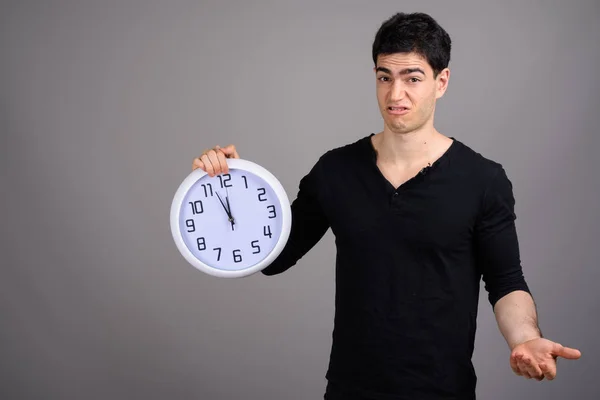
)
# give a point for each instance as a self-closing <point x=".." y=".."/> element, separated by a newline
<point x="442" y="160"/>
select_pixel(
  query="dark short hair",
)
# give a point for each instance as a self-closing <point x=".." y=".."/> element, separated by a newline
<point x="414" y="32"/>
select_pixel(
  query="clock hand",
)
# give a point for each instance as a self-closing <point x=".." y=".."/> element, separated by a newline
<point x="228" y="206"/>
<point x="224" y="207"/>
<point x="232" y="220"/>
<point x="230" y="217"/>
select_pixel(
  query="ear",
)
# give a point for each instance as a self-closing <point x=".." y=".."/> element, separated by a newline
<point x="441" y="82"/>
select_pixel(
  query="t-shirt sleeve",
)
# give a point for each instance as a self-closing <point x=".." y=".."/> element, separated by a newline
<point x="496" y="241"/>
<point x="309" y="222"/>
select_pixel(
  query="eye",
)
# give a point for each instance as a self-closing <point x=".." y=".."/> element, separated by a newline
<point x="414" y="79"/>
<point x="383" y="79"/>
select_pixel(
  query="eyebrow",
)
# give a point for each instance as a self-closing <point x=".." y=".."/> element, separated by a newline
<point x="405" y="71"/>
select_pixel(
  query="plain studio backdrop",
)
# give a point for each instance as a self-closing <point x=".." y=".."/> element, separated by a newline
<point x="104" y="105"/>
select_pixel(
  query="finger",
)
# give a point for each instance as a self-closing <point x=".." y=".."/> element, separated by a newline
<point x="532" y="368"/>
<point x="222" y="161"/>
<point x="548" y="371"/>
<point x="230" y="151"/>
<point x="519" y="363"/>
<point x="566" y="352"/>
<point x="197" y="164"/>
<point x="519" y="358"/>
<point x="208" y="165"/>
<point x="525" y="374"/>
<point x="516" y="370"/>
<point x="212" y="156"/>
<point x="514" y="364"/>
<point x="524" y="367"/>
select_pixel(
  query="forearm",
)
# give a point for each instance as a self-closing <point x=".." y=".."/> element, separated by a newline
<point x="517" y="318"/>
<point x="309" y="224"/>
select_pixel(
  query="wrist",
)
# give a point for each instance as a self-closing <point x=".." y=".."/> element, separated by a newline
<point x="526" y="337"/>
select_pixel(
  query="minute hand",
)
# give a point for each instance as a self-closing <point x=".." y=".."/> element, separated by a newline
<point x="225" y="208"/>
<point x="229" y="208"/>
<point x="230" y="217"/>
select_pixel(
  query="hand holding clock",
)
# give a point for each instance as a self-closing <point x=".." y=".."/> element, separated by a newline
<point x="212" y="161"/>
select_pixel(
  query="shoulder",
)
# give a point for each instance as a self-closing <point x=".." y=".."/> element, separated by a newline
<point x="475" y="166"/>
<point x="332" y="163"/>
<point x="346" y="154"/>
<point x="484" y="177"/>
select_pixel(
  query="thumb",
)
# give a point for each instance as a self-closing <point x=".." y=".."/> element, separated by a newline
<point x="230" y="151"/>
<point x="566" y="352"/>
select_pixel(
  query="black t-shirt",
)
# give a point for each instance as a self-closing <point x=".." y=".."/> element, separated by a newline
<point x="408" y="266"/>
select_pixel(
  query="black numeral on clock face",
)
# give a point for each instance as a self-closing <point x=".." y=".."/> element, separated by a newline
<point x="197" y="207"/>
<point x="255" y="246"/>
<point x="226" y="181"/>
<point x="267" y="231"/>
<point x="245" y="181"/>
<point x="272" y="211"/>
<point x="237" y="257"/>
<point x="219" y="253"/>
<point x="190" y="224"/>
<point x="262" y="192"/>
<point x="201" y="243"/>
<point x="207" y="191"/>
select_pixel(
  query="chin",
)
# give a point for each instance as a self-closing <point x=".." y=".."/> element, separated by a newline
<point x="399" y="128"/>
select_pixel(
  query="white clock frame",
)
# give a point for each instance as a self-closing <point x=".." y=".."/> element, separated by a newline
<point x="286" y="219"/>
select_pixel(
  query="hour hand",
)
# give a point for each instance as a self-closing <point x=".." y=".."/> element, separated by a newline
<point x="230" y="213"/>
<point x="231" y="219"/>
<point x="229" y="207"/>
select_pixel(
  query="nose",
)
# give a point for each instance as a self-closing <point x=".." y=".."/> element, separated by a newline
<point x="398" y="91"/>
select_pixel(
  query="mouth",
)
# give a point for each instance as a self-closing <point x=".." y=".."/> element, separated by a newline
<point x="398" y="110"/>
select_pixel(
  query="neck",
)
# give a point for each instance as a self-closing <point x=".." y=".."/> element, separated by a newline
<point x="407" y="149"/>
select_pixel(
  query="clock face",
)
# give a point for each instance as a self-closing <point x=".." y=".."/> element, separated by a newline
<point x="231" y="221"/>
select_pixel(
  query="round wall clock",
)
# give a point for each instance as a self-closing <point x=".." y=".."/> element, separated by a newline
<point x="231" y="225"/>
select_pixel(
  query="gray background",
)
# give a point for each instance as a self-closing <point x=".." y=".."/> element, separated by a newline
<point x="105" y="104"/>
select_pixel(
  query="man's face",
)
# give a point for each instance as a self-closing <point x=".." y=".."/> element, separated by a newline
<point x="407" y="91"/>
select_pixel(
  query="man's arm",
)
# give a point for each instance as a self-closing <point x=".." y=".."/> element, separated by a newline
<point x="516" y="315"/>
<point x="497" y="247"/>
<point x="309" y="222"/>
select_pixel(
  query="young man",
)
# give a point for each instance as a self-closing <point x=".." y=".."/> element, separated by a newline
<point x="419" y="218"/>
